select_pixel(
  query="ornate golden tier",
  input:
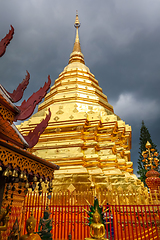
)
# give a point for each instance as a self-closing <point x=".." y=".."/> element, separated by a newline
<point x="84" y="137"/>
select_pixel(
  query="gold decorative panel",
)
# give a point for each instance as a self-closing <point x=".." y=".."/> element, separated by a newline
<point x="8" y="156"/>
<point x="6" y="114"/>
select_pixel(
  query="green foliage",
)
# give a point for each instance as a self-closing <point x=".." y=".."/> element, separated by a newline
<point x="144" y="137"/>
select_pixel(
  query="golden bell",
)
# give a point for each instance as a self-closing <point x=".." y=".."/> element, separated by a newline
<point x="27" y="185"/>
<point x="25" y="177"/>
<point x="6" y="173"/>
<point x="51" y="184"/>
<point x="21" y="175"/>
<point x="14" y="174"/>
<point x="35" y="179"/>
<point x="92" y="185"/>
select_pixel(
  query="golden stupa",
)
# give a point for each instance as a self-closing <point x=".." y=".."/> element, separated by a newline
<point x="89" y="142"/>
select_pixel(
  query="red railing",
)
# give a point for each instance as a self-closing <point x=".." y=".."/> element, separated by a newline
<point x="136" y="222"/>
<point x="125" y="222"/>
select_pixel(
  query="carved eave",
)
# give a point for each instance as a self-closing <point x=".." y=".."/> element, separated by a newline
<point x="27" y="107"/>
<point x="18" y="92"/>
<point x="33" y="136"/>
<point x="23" y="161"/>
<point x="8" y="110"/>
<point x="5" y="41"/>
<point x="10" y="133"/>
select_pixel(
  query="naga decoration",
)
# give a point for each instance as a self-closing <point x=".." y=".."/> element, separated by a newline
<point x="18" y="93"/>
<point x="33" y="136"/>
<point x="27" y="107"/>
<point x="97" y="220"/>
<point x="5" y="41"/>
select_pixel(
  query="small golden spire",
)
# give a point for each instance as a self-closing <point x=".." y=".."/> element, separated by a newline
<point x="76" y="54"/>
<point x="150" y="157"/>
<point x="77" y="46"/>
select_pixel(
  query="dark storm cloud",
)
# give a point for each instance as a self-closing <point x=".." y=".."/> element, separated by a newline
<point x="120" y="41"/>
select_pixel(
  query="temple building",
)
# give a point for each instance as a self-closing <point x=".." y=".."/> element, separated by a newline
<point x="19" y="168"/>
<point x="84" y="136"/>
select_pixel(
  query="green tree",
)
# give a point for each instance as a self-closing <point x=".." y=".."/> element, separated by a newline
<point x="144" y="137"/>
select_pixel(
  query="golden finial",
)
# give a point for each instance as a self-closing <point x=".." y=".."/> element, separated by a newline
<point x="148" y="145"/>
<point x="77" y="23"/>
<point x="76" y="55"/>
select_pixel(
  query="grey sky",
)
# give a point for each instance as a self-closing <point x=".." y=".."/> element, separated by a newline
<point x="120" y="40"/>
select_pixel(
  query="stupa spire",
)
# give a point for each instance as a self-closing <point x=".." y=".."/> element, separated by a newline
<point x="77" y="46"/>
<point x="76" y="55"/>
